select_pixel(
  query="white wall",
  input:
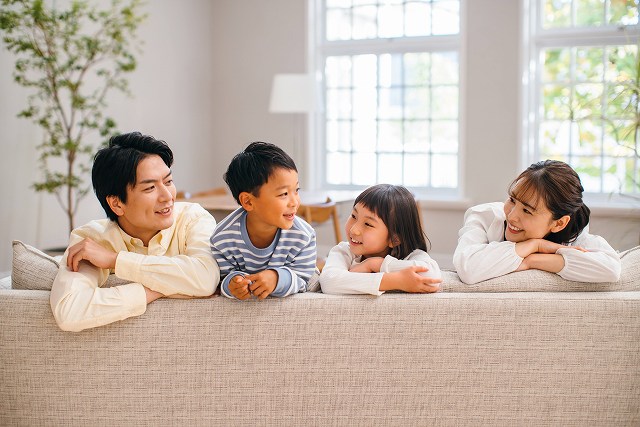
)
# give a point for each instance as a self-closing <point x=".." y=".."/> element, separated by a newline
<point x="203" y="85"/>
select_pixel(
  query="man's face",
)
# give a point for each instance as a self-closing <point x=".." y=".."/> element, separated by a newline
<point x="149" y="206"/>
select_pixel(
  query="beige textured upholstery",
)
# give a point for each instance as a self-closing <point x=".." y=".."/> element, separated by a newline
<point x="451" y="358"/>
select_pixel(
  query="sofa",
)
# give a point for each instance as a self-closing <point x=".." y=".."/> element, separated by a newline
<point x="527" y="348"/>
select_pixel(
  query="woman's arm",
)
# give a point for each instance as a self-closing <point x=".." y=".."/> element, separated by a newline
<point x="599" y="262"/>
<point x="481" y="253"/>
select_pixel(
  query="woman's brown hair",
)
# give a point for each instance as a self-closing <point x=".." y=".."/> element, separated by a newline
<point x="559" y="187"/>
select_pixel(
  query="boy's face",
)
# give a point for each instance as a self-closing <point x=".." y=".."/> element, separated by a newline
<point x="149" y="206"/>
<point x="276" y="204"/>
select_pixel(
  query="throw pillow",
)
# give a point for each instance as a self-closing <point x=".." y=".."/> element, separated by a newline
<point x="33" y="269"/>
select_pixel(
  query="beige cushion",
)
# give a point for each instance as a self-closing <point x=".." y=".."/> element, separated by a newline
<point x="542" y="281"/>
<point x="35" y="270"/>
<point x="32" y="268"/>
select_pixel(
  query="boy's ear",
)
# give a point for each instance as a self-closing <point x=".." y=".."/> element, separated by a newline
<point x="246" y="200"/>
<point x="560" y="224"/>
<point x="116" y="205"/>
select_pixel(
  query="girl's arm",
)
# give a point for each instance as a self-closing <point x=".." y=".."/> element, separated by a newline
<point x="417" y="258"/>
<point x="416" y="273"/>
<point x="337" y="279"/>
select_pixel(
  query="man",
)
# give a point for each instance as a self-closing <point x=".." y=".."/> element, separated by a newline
<point x="162" y="247"/>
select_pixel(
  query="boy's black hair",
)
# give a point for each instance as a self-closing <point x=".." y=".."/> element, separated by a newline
<point x="115" y="166"/>
<point x="251" y="168"/>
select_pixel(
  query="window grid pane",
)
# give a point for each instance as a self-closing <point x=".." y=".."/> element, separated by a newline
<point x="403" y="123"/>
<point x="589" y="114"/>
<point x="359" y="20"/>
<point x="588" y="13"/>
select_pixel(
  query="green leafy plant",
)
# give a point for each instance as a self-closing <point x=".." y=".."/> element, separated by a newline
<point x="69" y="60"/>
<point x="592" y="107"/>
<point x="625" y="103"/>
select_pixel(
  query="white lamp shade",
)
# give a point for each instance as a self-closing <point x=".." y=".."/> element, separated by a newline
<point x="291" y="93"/>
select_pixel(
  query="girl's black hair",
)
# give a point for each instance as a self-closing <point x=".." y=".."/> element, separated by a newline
<point x="397" y="208"/>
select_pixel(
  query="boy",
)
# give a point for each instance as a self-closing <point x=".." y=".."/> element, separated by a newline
<point x="263" y="248"/>
<point x="158" y="245"/>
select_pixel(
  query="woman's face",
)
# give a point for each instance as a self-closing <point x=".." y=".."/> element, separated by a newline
<point x="529" y="219"/>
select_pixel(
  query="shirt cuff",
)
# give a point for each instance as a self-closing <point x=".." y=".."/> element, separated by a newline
<point x="284" y="282"/>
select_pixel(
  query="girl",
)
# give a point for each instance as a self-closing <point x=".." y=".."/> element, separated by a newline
<point x="542" y="225"/>
<point x="385" y="238"/>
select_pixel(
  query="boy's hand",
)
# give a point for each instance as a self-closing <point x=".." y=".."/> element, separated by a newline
<point x="263" y="283"/>
<point x="239" y="287"/>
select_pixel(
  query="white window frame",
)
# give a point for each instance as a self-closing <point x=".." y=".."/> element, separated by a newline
<point x="535" y="39"/>
<point x="319" y="49"/>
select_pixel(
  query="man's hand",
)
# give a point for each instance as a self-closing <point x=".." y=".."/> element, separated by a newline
<point x="263" y="283"/>
<point x="239" y="287"/>
<point x="92" y="252"/>
<point x="369" y="265"/>
<point x="151" y="295"/>
<point x="409" y="280"/>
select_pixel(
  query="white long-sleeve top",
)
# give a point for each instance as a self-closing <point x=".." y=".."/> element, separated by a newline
<point x="177" y="261"/>
<point x="483" y="253"/>
<point x="337" y="279"/>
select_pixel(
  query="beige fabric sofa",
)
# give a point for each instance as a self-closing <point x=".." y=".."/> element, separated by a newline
<point x="524" y="349"/>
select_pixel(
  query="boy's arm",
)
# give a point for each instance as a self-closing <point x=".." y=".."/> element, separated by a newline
<point x="226" y="260"/>
<point x="295" y="274"/>
<point x="193" y="272"/>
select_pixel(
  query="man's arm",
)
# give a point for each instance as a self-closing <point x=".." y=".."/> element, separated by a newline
<point x="191" y="271"/>
<point x="77" y="301"/>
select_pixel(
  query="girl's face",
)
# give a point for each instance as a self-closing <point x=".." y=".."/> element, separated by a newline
<point x="529" y="219"/>
<point x="368" y="236"/>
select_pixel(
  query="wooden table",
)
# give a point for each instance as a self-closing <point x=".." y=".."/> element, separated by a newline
<point x="222" y="205"/>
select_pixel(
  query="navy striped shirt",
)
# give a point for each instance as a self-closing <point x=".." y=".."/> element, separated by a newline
<point x="292" y="254"/>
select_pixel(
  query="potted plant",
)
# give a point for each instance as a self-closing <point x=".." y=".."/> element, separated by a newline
<point x="70" y="59"/>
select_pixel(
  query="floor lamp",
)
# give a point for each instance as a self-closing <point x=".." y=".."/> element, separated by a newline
<point x="293" y="94"/>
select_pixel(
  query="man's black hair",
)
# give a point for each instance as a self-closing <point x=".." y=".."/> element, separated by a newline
<point x="115" y="166"/>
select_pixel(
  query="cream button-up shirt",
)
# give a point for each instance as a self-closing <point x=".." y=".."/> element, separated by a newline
<point x="177" y="262"/>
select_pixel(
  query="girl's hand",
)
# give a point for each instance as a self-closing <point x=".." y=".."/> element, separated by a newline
<point x="409" y="280"/>
<point x="369" y="265"/>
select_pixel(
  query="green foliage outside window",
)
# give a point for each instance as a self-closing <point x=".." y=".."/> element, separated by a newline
<point x="590" y="115"/>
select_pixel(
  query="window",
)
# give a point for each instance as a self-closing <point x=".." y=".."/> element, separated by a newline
<point x="391" y="93"/>
<point x="584" y="94"/>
